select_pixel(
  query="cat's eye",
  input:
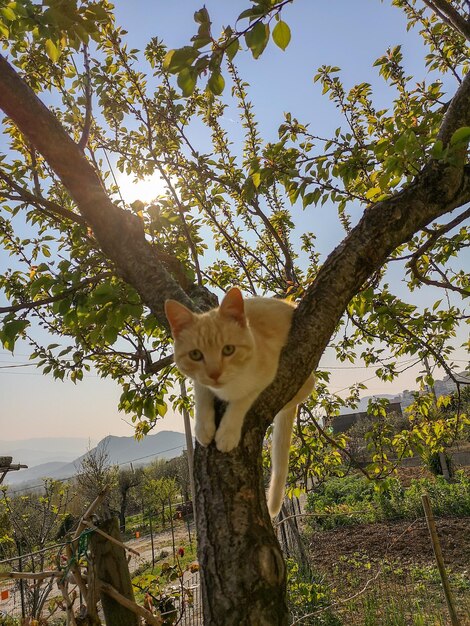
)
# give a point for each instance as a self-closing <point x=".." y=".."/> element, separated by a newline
<point x="196" y="355"/>
<point x="228" y="350"/>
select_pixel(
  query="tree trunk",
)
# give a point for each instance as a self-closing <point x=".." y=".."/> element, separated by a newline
<point x="112" y="568"/>
<point x="243" y="576"/>
<point x="122" y="512"/>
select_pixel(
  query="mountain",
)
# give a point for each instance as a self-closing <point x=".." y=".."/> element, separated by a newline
<point x="120" y="451"/>
<point x="32" y="452"/>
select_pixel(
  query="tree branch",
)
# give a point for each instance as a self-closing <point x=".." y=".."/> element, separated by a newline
<point x="88" y="102"/>
<point x="438" y="189"/>
<point x="120" y="233"/>
<point x="34" y="304"/>
<point x="157" y="366"/>
<point x="30" y="198"/>
<point x="447" y="13"/>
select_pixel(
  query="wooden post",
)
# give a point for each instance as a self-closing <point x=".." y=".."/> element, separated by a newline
<point x="439" y="559"/>
<point x="111" y="567"/>
<point x="151" y="536"/>
<point x="172" y="529"/>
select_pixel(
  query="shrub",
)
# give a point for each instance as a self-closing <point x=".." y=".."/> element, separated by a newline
<point x="354" y="499"/>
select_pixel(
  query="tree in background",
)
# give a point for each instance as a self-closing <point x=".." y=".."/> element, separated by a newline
<point x="95" y="273"/>
<point x="128" y="479"/>
<point x="95" y="474"/>
<point x="34" y="520"/>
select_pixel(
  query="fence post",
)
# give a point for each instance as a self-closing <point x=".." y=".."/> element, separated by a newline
<point x="112" y="567"/>
<point x="20" y="569"/>
<point x="439" y="559"/>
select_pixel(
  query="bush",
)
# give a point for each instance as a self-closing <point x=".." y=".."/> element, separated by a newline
<point x="354" y="500"/>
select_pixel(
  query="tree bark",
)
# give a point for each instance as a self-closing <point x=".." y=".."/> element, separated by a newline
<point x="243" y="576"/>
<point x="112" y="567"/>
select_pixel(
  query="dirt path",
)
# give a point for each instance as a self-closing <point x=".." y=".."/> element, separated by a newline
<point x="162" y="543"/>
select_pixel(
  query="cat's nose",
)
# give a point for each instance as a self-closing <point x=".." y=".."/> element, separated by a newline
<point x="215" y="375"/>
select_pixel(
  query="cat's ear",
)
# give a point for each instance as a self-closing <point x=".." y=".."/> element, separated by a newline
<point x="232" y="306"/>
<point x="178" y="315"/>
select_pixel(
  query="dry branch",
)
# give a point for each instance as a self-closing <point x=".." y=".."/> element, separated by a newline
<point x="132" y="606"/>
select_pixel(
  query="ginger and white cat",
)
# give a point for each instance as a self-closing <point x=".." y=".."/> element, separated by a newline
<point x="232" y="352"/>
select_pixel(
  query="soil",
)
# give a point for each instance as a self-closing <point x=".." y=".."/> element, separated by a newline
<point x="404" y="541"/>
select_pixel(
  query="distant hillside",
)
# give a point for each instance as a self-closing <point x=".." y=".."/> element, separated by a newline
<point x="120" y="450"/>
<point x="32" y="452"/>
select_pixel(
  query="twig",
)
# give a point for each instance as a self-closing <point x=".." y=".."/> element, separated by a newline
<point x="32" y="575"/>
<point x="48" y="206"/>
<point x="88" y="102"/>
<point x="33" y="304"/>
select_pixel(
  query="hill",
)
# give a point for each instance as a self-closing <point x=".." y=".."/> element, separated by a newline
<point x="120" y="450"/>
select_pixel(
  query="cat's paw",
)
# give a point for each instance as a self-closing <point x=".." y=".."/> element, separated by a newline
<point x="226" y="439"/>
<point x="204" y="433"/>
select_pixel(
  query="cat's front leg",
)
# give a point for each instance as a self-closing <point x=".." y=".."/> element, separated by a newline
<point x="204" y="414"/>
<point x="229" y="432"/>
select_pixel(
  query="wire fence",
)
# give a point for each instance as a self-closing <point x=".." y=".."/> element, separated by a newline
<point x="355" y="591"/>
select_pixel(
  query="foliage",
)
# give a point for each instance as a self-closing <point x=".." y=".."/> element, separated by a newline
<point x="307" y="593"/>
<point x="100" y="320"/>
<point x="353" y="499"/>
<point x="34" y="520"/>
<point x="164" y="589"/>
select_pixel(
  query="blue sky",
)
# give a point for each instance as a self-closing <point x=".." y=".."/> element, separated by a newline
<point x="351" y="35"/>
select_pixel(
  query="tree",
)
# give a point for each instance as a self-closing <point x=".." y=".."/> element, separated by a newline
<point x="95" y="474"/>
<point x="96" y="273"/>
<point x="127" y="480"/>
<point x="34" y="520"/>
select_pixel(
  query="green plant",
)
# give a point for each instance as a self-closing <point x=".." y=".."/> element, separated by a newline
<point x="354" y="500"/>
<point x="308" y="593"/>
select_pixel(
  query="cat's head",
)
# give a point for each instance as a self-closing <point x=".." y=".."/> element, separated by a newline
<point x="214" y="347"/>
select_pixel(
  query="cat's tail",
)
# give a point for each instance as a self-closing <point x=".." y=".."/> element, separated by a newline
<point x="282" y="433"/>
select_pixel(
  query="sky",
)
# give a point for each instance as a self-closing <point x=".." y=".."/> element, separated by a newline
<point x="351" y="35"/>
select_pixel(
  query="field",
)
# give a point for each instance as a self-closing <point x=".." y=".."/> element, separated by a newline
<point x="383" y="573"/>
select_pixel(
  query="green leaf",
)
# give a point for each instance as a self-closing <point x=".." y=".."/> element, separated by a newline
<point x="110" y="334"/>
<point x="370" y="193"/>
<point x="202" y="16"/>
<point x="232" y="49"/>
<point x="216" y="83"/>
<point x="187" y="81"/>
<point x="281" y="35"/>
<point x="461" y="136"/>
<point x="52" y="50"/>
<point x="10" y="333"/>
<point x="257" y="38"/>
<point x="256" y="178"/>
<point x="8" y="13"/>
<point x="179" y="59"/>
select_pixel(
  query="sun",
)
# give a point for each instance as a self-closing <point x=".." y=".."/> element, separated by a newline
<point x="145" y="190"/>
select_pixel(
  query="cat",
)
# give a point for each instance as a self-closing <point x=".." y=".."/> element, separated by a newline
<point x="232" y="352"/>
